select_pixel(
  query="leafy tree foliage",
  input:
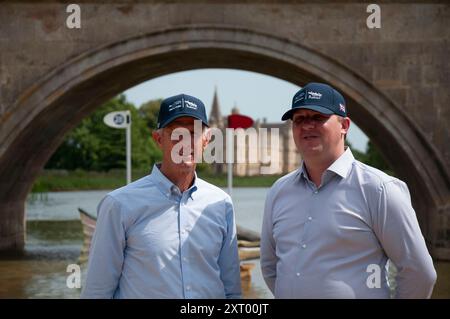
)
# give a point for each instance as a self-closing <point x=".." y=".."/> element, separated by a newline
<point x="95" y="146"/>
<point x="372" y="157"/>
<point x="149" y="111"/>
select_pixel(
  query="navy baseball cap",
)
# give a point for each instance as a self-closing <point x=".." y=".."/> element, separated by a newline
<point x="181" y="105"/>
<point x="318" y="97"/>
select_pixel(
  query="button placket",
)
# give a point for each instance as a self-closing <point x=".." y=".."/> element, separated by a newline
<point x="181" y="221"/>
<point x="306" y="227"/>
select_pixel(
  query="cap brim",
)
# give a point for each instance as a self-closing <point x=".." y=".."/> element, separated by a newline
<point x="317" y="108"/>
<point x="181" y="115"/>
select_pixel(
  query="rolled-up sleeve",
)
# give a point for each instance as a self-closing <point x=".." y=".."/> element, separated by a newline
<point x="399" y="233"/>
<point x="268" y="247"/>
<point x="229" y="258"/>
<point x="106" y="253"/>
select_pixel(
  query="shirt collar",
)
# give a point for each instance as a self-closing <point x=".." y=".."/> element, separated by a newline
<point x="302" y="171"/>
<point x="341" y="166"/>
<point x="166" y="186"/>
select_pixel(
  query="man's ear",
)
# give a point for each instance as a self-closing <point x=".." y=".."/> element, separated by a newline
<point x="345" y="122"/>
<point x="206" y="137"/>
<point x="157" y="137"/>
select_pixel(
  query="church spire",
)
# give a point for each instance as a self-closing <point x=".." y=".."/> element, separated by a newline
<point x="215" y="117"/>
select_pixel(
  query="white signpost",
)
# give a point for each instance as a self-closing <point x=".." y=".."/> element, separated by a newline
<point x="122" y="119"/>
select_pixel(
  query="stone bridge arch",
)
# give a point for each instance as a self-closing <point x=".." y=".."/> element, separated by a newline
<point x="44" y="112"/>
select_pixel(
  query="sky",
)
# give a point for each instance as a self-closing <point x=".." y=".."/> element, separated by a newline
<point x="256" y="95"/>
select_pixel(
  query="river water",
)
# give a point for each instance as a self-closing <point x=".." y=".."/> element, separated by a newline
<point x="54" y="241"/>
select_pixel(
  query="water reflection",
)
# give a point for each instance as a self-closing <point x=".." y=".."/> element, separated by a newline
<point x="54" y="240"/>
<point x="41" y="270"/>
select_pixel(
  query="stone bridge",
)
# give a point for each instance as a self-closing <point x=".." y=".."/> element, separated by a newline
<point x="396" y="78"/>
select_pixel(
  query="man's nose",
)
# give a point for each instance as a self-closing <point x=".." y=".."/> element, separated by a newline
<point x="308" y="123"/>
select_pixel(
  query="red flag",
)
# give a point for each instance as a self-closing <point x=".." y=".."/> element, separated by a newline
<point x="239" y="121"/>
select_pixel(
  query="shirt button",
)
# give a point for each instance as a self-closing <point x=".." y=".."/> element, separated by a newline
<point x="184" y="258"/>
<point x="304" y="246"/>
<point x="309" y="218"/>
<point x="188" y="287"/>
<point x="298" y="274"/>
<point x="315" y="192"/>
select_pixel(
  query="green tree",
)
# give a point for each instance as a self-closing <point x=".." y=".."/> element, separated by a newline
<point x="360" y="156"/>
<point x="375" y="159"/>
<point x="149" y="111"/>
<point x="371" y="157"/>
<point x="94" y="146"/>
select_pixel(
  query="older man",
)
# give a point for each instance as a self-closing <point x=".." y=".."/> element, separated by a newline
<point x="330" y="226"/>
<point x="169" y="234"/>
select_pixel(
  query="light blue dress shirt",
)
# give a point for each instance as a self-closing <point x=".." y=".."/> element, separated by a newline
<point x="333" y="241"/>
<point x="152" y="241"/>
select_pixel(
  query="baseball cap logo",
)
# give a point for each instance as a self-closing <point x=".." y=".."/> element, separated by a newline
<point x="299" y="97"/>
<point x="190" y="105"/>
<point x="342" y="107"/>
<point x="175" y="105"/>
<point x="314" y="95"/>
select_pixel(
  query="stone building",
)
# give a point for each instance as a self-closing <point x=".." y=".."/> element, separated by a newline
<point x="278" y="156"/>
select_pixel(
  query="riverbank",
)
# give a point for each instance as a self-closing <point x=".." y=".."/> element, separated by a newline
<point x="65" y="180"/>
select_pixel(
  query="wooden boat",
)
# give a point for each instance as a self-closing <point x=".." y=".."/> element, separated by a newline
<point x="248" y="243"/>
<point x="247" y="234"/>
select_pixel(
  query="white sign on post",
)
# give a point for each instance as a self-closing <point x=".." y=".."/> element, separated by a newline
<point x="122" y="119"/>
